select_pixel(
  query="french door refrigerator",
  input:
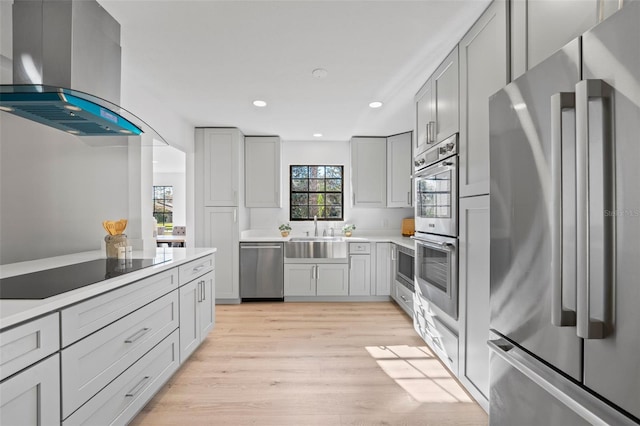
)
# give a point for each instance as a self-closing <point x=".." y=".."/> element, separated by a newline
<point x="565" y="234"/>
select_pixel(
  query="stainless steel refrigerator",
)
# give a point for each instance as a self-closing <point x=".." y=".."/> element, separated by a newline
<point x="565" y="234"/>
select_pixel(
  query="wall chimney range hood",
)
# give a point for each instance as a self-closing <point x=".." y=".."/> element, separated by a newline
<point x="66" y="69"/>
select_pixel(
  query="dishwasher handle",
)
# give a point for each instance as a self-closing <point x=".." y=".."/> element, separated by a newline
<point x="261" y="247"/>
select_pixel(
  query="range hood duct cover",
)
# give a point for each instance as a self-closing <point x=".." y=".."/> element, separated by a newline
<point x="66" y="69"/>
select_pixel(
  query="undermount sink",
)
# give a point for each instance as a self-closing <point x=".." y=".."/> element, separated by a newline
<point x="316" y="248"/>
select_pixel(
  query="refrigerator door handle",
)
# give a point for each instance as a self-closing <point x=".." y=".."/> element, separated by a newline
<point x="581" y="402"/>
<point x="595" y="189"/>
<point x="561" y="317"/>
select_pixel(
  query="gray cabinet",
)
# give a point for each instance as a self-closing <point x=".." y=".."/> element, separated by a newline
<point x="360" y="275"/>
<point x="474" y="296"/>
<point x="540" y="27"/>
<point x="437" y="105"/>
<point x="310" y="279"/>
<point x="197" y="313"/>
<point x="483" y="71"/>
<point x="218" y="164"/>
<point x="369" y="171"/>
<point x="399" y="170"/>
<point x="384" y="269"/>
<point x="221" y="231"/>
<point x="32" y="397"/>
<point x="262" y="171"/>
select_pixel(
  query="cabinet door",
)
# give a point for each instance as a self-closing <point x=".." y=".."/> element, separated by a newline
<point x="299" y="279"/>
<point x="399" y="170"/>
<point x="360" y="275"/>
<point x="445" y="92"/>
<point x="220" y="149"/>
<point x="483" y="71"/>
<point x="425" y="118"/>
<point x="541" y="27"/>
<point x="369" y="172"/>
<point x="262" y="171"/>
<point x="332" y="279"/>
<point x="207" y="305"/>
<point x="221" y="231"/>
<point x="189" y="318"/>
<point x="474" y="294"/>
<point x="32" y="397"/>
<point x="383" y="274"/>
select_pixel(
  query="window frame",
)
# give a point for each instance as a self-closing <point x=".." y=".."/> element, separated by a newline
<point x="163" y="213"/>
<point x="309" y="192"/>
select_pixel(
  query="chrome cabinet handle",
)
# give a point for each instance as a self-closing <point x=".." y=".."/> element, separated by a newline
<point x="447" y="163"/>
<point x="393" y="253"/>
<point x="137" y="388"/>
<point x="595" y="191"/>
<point x="204" y="290"/>
<point x="138" y="334"/>
<point x="317" y="273"/>
<point x="562" y="179"/>
<point x="197" y="269"/>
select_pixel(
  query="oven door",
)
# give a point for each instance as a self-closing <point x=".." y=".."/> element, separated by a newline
<point x="436" y="270"/>
<point x="437" y="198"/>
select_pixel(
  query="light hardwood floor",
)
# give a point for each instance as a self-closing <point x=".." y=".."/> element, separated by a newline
<point x="312" y="364"/>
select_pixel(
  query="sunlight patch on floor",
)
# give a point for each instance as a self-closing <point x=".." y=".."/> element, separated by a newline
<point x="419" y="373"/>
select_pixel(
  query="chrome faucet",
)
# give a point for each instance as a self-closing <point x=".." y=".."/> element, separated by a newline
<point x="315" y="224"/>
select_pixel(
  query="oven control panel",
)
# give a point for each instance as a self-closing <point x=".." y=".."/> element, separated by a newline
<point x="442" y="150"/>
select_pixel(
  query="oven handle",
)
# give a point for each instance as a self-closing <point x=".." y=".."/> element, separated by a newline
<point x="436" y="244"/>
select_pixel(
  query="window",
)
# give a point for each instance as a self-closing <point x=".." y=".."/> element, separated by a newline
<point x="316" y="191"/>
<point x="163" y="205"/>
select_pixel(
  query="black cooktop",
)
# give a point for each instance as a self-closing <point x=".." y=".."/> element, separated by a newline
<point x="51" y="282"/>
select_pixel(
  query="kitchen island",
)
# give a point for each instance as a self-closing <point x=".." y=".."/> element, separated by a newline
<point x="97" y="354"/>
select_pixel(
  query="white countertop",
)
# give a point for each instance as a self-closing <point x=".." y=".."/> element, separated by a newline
<point x="16" y="311"/>
<point x="256" y="236"/>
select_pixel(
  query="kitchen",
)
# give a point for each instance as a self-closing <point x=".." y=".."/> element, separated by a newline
<point x="71" y="221"/>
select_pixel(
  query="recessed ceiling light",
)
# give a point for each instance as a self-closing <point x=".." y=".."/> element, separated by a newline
<point x="7" y="109"/>
<point x="376" y="104"/>
<point x="319" y="73"/>
<point x="260" y="103"/>
<point x="317" y="135"/>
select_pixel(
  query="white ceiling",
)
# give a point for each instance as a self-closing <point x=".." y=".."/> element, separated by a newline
<point x="208" y="60"/>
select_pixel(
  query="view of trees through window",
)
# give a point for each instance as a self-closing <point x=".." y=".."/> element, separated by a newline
<point x="316" y="191"/>
<point x="163" y="205"/>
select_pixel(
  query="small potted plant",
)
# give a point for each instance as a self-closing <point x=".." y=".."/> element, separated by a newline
<point x="348" y="228"/>
<point x="285" y="228"/>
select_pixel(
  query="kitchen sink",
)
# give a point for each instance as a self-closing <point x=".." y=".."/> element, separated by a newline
<point x="316" y="248"/>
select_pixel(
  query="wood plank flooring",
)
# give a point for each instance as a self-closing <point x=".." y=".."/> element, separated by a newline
<point x="312" y="364"/>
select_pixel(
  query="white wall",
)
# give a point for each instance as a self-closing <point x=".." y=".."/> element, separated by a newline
<point x="324" y="153"/>
<point x="55" y="191"/>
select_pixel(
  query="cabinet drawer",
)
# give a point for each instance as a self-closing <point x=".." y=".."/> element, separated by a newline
<point x="362" y="248"/>
<point x="84" y="318"/>
<point x="28" y="343"/>
<point x="90" y="364"/>
<point x="445" y="343"/>
<point x="404" y="297"/>
<point x="192" y="270"/>
<point x="123" y="398"/>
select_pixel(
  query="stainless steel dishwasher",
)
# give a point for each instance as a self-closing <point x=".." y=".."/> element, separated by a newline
<point x="261" y="271"/>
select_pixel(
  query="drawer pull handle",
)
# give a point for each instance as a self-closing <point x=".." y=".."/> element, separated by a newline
<point x="404" y="298"/>
<point x="138" y="334"/>
<point x="199" y="268"/>
<point x="137" y="388"/>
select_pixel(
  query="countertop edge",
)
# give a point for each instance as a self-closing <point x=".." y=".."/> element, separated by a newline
<point x="15" y="312"/>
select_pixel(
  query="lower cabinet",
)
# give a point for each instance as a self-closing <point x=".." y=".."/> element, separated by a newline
<point x="324" y="279"/>
<point x="383" y="268"/>
<point x="403" y="296"/>
<point x="360" y="275"/>
<point x="197" y="313"/>
<point x="473" y="274"/>
<point x="32" y="397"/>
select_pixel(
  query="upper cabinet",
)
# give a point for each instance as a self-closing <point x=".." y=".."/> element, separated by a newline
<point x="399" y="170"/>
<point x="262" y="171"/>
<point x="437" y="105"/>
<point x="540" y="27"/>
<point x="369" y="171"/>
<point x="483" y="71"/>
<point x="220" y="150"/>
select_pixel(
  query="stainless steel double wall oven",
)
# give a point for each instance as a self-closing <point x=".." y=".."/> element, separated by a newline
<point x="436" y="219"/>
